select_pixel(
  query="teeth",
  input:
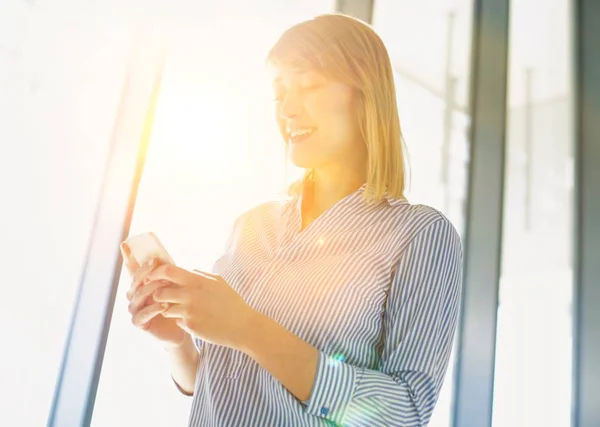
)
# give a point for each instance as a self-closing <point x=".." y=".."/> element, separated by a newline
<point x="299" y="132"/>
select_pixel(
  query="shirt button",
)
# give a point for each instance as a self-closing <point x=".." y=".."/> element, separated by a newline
<point x="324" y="411"/>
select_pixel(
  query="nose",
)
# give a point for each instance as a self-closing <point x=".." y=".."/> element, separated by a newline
<point x="290" y="106"/>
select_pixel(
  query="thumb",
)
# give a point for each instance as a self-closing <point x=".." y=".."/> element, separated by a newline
<point x="128" y="259"/>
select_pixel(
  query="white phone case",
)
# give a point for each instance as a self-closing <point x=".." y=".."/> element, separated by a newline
<point x="146" y="246"/>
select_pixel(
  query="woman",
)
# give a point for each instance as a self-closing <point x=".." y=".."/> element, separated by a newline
<point x="339" y="306"/>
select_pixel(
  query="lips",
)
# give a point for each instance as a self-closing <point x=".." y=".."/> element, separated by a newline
<point x="299" y="134"/>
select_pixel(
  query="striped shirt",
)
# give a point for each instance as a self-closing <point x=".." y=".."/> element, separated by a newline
<point x="375" y="287"/>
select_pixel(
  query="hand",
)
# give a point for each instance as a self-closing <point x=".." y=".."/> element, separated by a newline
<point x="203" y="305"/>
<point x="145" y="311"/>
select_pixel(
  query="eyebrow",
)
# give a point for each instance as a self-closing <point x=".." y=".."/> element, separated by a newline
<point x="300" y="72"/>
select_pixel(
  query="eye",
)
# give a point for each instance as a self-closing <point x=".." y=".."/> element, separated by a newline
<point x="278" y="94"/>
<point x="310" y="87"/>
<point x="311" y="81"/>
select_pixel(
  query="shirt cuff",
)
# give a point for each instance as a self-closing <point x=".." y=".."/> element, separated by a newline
<point x="333" y="387"/>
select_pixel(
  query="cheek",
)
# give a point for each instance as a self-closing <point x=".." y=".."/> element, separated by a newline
<point x="332" y="109"/>
<point x="281" y="125"/>
<point x="339" y="119"/>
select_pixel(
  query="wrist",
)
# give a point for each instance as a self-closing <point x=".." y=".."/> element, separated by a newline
<point x="252" y="329"/>
<point x="185" y="341"/>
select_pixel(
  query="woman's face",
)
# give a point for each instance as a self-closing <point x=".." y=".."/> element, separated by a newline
<point x="317" y="118"/>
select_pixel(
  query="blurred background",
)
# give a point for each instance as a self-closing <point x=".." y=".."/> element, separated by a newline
<point x="98" y="95"/>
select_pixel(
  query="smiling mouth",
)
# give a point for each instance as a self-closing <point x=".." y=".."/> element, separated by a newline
<point x="298" y="135"/>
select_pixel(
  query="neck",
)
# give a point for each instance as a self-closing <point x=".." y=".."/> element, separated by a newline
<point x="329" y="187"/>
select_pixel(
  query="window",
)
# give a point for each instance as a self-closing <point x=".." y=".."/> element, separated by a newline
<point x="58" y="104"/>
<point x="534" y="337"/>
<point x="432" y="83"/>
<point x="215" y="152"/>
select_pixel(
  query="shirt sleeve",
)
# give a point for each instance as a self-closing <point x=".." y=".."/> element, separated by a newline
<point x="418" y="325"/>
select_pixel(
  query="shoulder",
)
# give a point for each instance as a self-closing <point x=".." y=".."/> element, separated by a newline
<point x="422" y="224"/>
<point x="428" y="251"/>
<point x="264" y="213"/>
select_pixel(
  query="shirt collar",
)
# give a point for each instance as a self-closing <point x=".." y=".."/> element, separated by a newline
<point x="391" y="201"/>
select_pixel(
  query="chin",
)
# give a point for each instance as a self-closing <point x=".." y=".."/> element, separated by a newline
<point x="307" y="155"/>
<point x="302" y="163"/>
<point x="303" y="160"/>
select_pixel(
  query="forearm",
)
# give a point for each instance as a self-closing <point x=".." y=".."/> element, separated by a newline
<point x="292" y="361"/>
<point x="183" y="364"/>
<point x="341" y="391"/>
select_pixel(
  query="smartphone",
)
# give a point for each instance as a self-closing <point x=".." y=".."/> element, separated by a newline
<point x="146" y="246"/>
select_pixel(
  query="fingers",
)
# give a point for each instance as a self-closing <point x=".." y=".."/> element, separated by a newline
<point x="172" y="295"/>
<point x="140" y="277"/>
<point x="175" y="275"/>
<point x="143" y="318"/>
<point x="128" y="259"/>
<point x="175" y="310"/>
<point x="140" y="297"/>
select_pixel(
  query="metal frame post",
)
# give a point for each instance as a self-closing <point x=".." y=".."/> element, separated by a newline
<point x="586" y="322"/>
<point x="474" y="375"/>
<point x="79" y="375"/>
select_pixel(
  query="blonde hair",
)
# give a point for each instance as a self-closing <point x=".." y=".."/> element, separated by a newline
<point x="350" y="51"/>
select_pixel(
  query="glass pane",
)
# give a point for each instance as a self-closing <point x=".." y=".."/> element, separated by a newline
<point x="432" y="83"/>
<point x="57" y="107"/>
<point x="215" y="152"/>
<point x="533" y="354"/>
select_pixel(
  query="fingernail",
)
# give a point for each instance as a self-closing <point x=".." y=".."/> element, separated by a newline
<point x="125" y="248"/>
